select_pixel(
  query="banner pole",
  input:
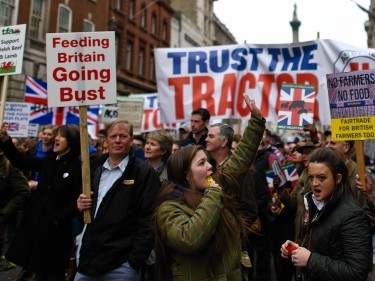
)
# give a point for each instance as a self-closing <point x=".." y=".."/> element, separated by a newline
<point x="4" y="86"/>
<point x="86" y="184"/>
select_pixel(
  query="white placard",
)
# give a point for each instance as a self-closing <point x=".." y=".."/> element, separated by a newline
<point x="16" y="118"/>
<point x="33" y="130"/>
<point x="12" y="45"/>
<point x="81" y="68"/>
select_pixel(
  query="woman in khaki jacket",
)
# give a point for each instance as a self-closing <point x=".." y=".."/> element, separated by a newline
<point x="198" y="228"/>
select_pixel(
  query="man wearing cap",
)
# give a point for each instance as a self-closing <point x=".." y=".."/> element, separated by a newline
<point x="200" y="118"/>
<point x="183" y="132"/>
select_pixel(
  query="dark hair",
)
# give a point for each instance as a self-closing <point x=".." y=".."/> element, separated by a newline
<point x="140" y="138"/>
<point x="268" y="132"/>
<point x="178" y="170"/>
<point x="226" y="132"/>
<point x="102" y="132"/>
<point x="335" y="163"/>
<point x="71" y="133"/>
<point x="203" y="113"/>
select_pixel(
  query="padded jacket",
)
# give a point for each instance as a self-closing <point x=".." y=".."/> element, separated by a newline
<point x="339" y="239"/>
<point x="188" y="233"/>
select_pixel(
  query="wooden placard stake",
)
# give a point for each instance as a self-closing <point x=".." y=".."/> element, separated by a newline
<point x="86" y="185"/>
<point x="360" y="156"/>
<point x="4" y="86"/>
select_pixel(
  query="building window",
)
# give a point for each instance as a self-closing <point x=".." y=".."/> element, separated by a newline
<point x="64" y="19"/>
<point x="131" y="9"/>
<point x="129" y="56"/>
<point x="88" y="26"/>
<point x="118" y="5"/>
<point x="164" y="31"/>
<point x="7" y="8"/>
<point x="153" y="24"/>
<point x="143" y="16"/>
<point x="152" y="67"/>
<point x="141" y="61"/>
<point x="36" y="19"/>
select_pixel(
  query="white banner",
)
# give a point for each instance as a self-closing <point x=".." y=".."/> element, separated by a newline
<point x="215" y="77"/>
<point x="151" y="113"/>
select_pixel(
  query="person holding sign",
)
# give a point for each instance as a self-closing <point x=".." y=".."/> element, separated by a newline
<point x="337" y="240"/>
<point x="198" y="228"/>
<point x="120" y="237"/>
<point x="44" y="239"/>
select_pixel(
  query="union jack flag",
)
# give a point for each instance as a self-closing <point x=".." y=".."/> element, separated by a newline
<point x="340" y="104"/>
<point x="297" y="105"/>
<point x="36" y="93"/>
<point x="42" y="114"/>
<point x="290" y="172"/>
<point x="12" y="126"/>
<point x="280" y="156"/>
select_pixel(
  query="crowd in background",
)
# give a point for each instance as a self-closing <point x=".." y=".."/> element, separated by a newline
<point x="234" y="219"/>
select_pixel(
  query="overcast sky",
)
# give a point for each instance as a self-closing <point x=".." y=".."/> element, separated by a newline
<point x="267" y="21"/>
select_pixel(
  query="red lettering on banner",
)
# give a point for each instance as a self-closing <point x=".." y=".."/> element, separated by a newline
<point x="203" y="90"/>
<point x="178" y="84"/>
<point x="147" y="114"/>
<point x="268" y="80"/>
<point x="248" y="78"/>
<point x="155" y="120"/>
<point x="151" y="117"/>
<point x="228" y="89"/>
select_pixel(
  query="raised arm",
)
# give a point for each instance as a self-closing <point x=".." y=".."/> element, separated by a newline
<point x="245" y="153"/>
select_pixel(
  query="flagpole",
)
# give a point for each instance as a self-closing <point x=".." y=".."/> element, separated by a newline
<point x="4" y="86"/>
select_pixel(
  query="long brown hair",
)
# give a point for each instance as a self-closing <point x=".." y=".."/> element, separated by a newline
<point x="179" y="170"/>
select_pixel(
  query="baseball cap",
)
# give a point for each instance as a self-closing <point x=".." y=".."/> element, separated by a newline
<point x="301" y="146"/>
<point x="185" y="128"/>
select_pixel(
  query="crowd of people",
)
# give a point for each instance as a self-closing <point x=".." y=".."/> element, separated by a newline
<point x="197" y="206"/>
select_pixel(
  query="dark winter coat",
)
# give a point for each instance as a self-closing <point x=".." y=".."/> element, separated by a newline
<point x="122" y="229"/>
<point x="44" y="238"/>
<point x="191" y="140"/>
<point x="339" y="240"/>
<point x="14" y="189"/>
